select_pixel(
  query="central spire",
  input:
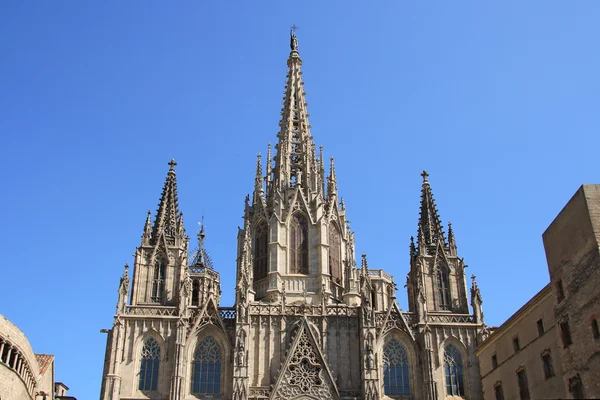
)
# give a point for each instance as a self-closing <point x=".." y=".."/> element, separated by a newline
<point x="296" y="159"/>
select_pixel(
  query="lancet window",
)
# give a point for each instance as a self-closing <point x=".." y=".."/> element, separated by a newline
<point x="335" y="262"/>
<point x="396" y="378"/>
<point x="453" y="369"/>
<point x="206" y="374"/>
<point x="298" y="244"/>
<point x="149" y="365"/>
<point x="443" y="288"/>
<point x="261" y="249"/>
<point x="195" y="292"/>
<point x="158" y="280"/>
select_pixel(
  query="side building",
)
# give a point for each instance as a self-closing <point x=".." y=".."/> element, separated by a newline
<point x="550" y="348"/>
<point x="23" y="374"/>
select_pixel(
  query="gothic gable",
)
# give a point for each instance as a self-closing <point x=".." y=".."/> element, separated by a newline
<point x="395" y="320"/>
<point x="305" y="374"/>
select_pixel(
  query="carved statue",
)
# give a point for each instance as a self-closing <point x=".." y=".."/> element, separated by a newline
<point x="240" y="354"/>
<point x="370" y="357"/>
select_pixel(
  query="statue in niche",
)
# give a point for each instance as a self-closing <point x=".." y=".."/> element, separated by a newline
<point x="370" y="357"/>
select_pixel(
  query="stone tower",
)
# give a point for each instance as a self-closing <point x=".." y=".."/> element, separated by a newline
<point x="437" y="298"/>
<point x="307" y="323"/>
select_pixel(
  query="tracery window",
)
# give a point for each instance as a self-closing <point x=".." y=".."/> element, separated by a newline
<point x="206" y="378"/>
<point x="335" y="263"/>
<point x="261" y="249"/>
<point x="396" y="382"/>
<point x="298" y="245"/>
<point x="443" y="289"/>
<point x="453" y="369"/>
<point x="158" y="281"/>
<point x="149" y="365"/>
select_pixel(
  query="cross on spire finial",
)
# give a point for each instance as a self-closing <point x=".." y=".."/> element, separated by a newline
<point x="293" y="28"/>
<point x="172" y="164"/>
<point x="425" y="175"/>
<point x="293" y="38"/>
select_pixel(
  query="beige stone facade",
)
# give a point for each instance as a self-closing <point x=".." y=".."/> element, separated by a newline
<point x="308" y="322"/>
<point x="526" y="344"/>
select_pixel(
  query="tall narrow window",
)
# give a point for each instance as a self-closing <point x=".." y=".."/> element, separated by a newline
<point x="523" y="386"/>
<point x="335" y="263"/>
<point x="298" y="245"/>
<point x="547" y="363"/>
<point x="158" y="281"/>
<point x="560" y="291"/>
<point x="516" y="344"/>
<point x="261" y="249"/>
<point x="149" y="365"/>
<point x="494" y="361"/>
<point x="540" y="327"/>
<point x="565" y="332"/>
<point x="196" y="292"/>
<point x="499" y="392"/>
<point x="443" y="289"/>
<point x="453" y="368"/>
<point x="395" y="370"/>
<point x="206" y="378"/>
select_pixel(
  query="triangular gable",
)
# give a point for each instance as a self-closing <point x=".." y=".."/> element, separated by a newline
<point x="395" y="319"/>
<point x="304" y="374"/>
<point x="209" y="314"/>
<point x="299" y="203"/>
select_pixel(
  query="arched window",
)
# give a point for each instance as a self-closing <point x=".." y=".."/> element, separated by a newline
<point x="443" y="289"/>
<point x="335" y="262"/>
<point x="261" y="249"/>
<point x="396" y="381"/>
<point x="453" y="368"/>
<point x="149" y="365"/>
<point x="298" y="245"/>
<point x="158" y="281"/>
<point x="206" y="377"/>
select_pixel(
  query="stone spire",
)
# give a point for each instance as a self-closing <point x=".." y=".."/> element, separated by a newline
<point x="258" y="180"/>
<point x="147" y="235"/>
<point x="168" y="218"/>
<point x="430" y="230"/>
<point x="331" y="181"/>
<point x="295" y="162"/>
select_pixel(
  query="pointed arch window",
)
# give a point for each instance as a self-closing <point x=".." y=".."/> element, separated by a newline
<point x="298" y="245"/>
<point x="453" y="369"/>
<point x="206" y="378"/>
<point x="149" y="365"/>
<point x="195" y="292"/>
<point x="335" y="262"/>
<point x="158" y="280"/>
<point x="443" y="287"/>
<point x="396" y="383"/>
<point x="261" y="249"/>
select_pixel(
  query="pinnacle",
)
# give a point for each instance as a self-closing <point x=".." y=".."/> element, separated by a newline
<point x="430" y="226"/>
<point x="168" y="218"/>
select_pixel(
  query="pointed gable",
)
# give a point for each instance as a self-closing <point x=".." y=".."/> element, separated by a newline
<point x="304" y="374"/>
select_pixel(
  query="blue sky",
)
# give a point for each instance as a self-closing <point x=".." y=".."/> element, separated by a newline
<point x="497" y="101"/>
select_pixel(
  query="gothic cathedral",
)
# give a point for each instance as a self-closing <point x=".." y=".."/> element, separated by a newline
<point x="308" y="322"/>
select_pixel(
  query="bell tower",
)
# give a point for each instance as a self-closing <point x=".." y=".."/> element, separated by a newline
<point x="296" y="239"/>
<point x="162" y="257"/>
<point x="436" y="281"/>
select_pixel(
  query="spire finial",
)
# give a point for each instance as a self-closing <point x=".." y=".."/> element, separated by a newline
<point x="425" y="175"/>
<point x="293" y="38"/>
<point x="172" y="164"/>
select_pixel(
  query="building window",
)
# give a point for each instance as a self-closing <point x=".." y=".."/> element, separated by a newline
<point x="547" y="363"/>
<point x="494" y="361"/>
<point x="261" y="250"/>
<point x="560" y="291"/>
<point x="516" y="344"/>
<point x="335" y="262"/>
<point x="540" y="327"/>
<point x="158" y="281"/>
<point x="195" y="292"/>
<point x="576" y="387"/>
<point x="149" y="365"/>
<point x="595" y="330"/>
<point x="206" y="375"/>
<point x="395" y="370"/>
<point x="498" y="391"/>
<point x="565" y="333"/>
<point x="453" y="369"/>
<point x="443" y="288"/>
<point x="299" y="245"/>
<point x="523" y="387"/>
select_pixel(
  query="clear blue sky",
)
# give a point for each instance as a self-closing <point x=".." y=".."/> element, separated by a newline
<point x="499" y="102"/>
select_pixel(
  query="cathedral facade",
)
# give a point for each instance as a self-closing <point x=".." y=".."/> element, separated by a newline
<point x="308" y="322"/>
